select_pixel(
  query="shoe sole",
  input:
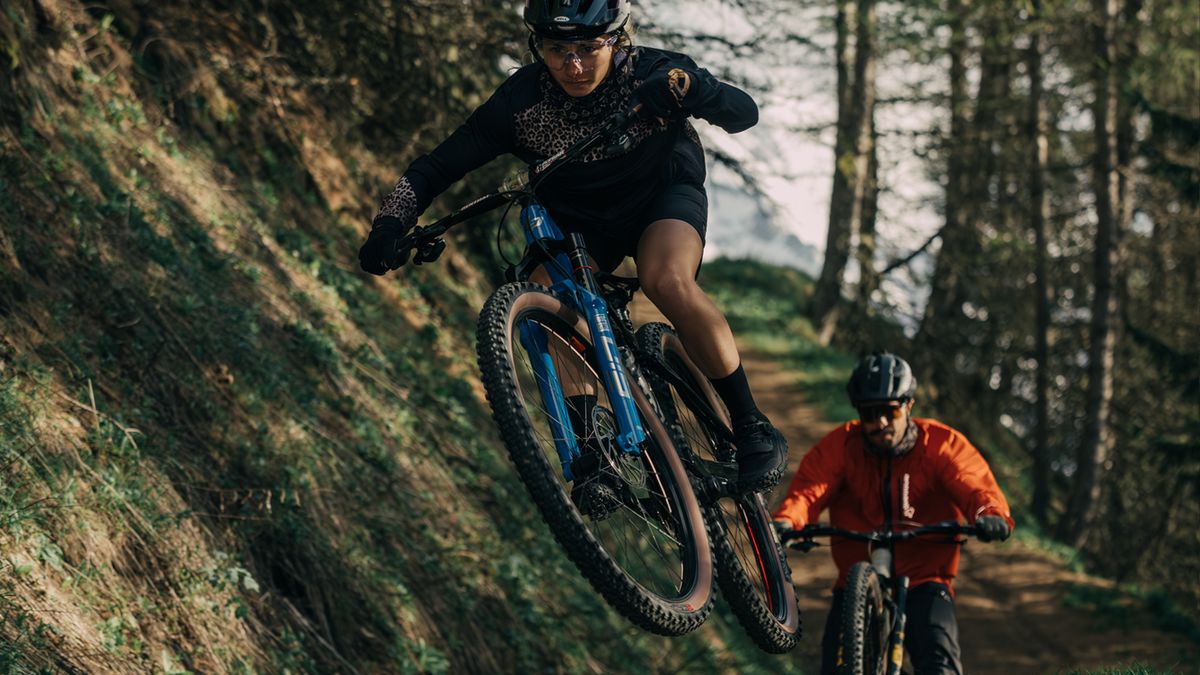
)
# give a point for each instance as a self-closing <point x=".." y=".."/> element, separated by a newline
<point x="769" y="479"/>
<point x="761" y="483"/>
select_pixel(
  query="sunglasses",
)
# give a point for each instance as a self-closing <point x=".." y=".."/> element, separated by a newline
<point x="872" y="413"/>
<point x="557" y="54"/>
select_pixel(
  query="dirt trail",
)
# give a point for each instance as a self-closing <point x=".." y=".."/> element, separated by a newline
<point x="1009" y="597"/>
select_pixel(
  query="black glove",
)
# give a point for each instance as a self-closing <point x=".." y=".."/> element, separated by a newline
<point x="781" y="525"/>
<point x="379" y="254"/>
<point x="992" y="528"/>
<point x="661" y="94"/>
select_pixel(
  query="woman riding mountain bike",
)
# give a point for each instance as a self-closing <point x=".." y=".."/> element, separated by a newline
<point x="644" y="199"/>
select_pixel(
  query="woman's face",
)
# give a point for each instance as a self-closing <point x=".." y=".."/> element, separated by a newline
<point x="578" y="66"/>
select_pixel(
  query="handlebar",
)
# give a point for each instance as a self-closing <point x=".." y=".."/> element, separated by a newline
<point x="802" y="539"/>
<point x="425" y="244"/>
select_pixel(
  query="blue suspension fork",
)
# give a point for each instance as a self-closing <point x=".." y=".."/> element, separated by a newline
<point x="539" y="226"/>
<point x="533" y="338"/>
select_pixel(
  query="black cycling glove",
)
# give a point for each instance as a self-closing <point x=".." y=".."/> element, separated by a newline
<point x="992" y="528"/>
<point x="379" y="254"/>
<point x="662" y="93"/>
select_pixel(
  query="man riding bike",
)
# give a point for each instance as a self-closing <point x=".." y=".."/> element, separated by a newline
<point x="889" y="468"/>
<point x="642" y="197"/>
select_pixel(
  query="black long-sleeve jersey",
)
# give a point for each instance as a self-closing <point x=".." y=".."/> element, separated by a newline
<point x="531" y="117"/>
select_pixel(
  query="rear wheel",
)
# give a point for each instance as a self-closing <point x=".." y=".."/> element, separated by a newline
<point x="865" y="622"/>
<point x="645" y="548"/>
<point x="752" y="570"/>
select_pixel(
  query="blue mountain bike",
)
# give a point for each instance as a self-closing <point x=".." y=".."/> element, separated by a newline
<point x="596" y="420"/>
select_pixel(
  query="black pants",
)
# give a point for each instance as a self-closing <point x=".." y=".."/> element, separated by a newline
<point x="931" y="634"/>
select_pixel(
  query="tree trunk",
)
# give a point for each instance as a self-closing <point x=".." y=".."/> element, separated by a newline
<point x="1093" y="452"/>
<point x="856" y="102"/>
<point x="1039" y="215"/>
<point x="943" y="291"/>
<point x="869" y="277"/>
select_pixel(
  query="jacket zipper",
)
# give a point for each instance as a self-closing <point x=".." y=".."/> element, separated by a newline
<point x="887" y="496"/>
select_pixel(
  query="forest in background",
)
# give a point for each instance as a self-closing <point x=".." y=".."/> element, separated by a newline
<point x="207" y="413"/>
<point x="1061" y="283"/>
<point x="1055" y="301"/>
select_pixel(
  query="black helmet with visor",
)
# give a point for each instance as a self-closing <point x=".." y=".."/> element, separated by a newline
<point x="882" y="376"/>
<point x="575" y="19"/>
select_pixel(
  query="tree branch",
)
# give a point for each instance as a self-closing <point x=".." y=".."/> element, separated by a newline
<point x="908" y="258"/>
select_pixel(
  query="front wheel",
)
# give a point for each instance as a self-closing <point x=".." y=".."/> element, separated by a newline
<point x="865" y="621"/>
<point x="645" y="548"/>
<point x="752" y="570"/>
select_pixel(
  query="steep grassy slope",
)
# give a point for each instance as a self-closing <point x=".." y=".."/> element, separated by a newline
<point x="222" y="448"/>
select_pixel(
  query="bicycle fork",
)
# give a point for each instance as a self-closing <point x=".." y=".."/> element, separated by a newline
<point x="896" y="636"/>
<point x="583" y="289"/>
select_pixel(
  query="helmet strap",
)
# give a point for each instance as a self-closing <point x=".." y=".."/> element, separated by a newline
<point x="537" y="56"/>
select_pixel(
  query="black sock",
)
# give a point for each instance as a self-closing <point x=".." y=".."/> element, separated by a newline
<point x="579" y="411"/>
<point x="734" y="390"/>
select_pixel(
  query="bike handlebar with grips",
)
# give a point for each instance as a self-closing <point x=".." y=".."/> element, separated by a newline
<point x="806" y="534"/>
<point x="425" y="243"/>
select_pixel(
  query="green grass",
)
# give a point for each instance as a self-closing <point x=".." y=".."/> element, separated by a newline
<point x="1135" y="669"/>
<point x="765" y="306"/>
<point x="1132" y="607"/>
<point x="312" y="432"/>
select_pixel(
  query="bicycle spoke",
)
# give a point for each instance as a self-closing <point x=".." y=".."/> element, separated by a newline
<point x="636" y="537"/>
<point x="750" y="567"/>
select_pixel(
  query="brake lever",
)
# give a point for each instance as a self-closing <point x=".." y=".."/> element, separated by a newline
<point x="623" y="142"/>
<point x="620" y="146"/>
<point x="399" y="253"/>
<point x="429" y="251"/>
<point x="803" y="545"/>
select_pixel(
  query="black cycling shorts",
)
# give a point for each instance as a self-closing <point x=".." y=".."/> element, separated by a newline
<point x="610" y="245"/>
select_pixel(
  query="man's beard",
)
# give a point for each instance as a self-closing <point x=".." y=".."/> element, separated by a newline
<point x="897" y="446"/>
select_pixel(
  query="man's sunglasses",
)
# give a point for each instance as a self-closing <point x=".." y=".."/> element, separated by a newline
<point x="870" y="413"/>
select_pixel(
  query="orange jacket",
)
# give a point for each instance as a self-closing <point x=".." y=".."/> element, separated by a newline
<point x="942" y="478"/>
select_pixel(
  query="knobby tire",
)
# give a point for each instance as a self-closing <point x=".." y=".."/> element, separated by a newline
<point x="687" y="600"/>
<point x="752" y="570"/>
<point x="865" y="624"/>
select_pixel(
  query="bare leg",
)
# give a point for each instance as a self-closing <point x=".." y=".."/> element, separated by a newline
<point x="669" y="254"/>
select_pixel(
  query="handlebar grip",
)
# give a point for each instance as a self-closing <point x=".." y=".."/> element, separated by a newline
<point x="399" y="254"/>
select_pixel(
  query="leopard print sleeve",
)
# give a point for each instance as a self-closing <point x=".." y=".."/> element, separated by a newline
<point x="401" y="204"/>
<point x="486" y="134"/>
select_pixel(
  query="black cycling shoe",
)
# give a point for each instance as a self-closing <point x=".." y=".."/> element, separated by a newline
<point x="761" y="454"/>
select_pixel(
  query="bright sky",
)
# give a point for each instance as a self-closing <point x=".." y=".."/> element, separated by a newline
<point x="791" y="150"/>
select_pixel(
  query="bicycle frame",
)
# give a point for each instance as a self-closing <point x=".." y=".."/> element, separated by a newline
<point x="577" y="286"/>
<point x="895" y="597"/>
<point x="581" y="291"/>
